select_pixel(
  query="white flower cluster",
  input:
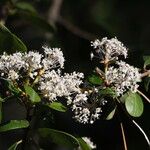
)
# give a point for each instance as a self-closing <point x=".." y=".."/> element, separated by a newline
<point x="86" y="110"/>
<point x="52" y="84"/>
<point x="109" y="48"/>
<point x="123" y="78"/>
<point x="18" y="64"/>
<point x="89" y="142"/>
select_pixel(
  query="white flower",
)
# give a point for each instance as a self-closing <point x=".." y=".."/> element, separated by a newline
<point x="123" y="78"/>
<point x="53" y="58"/>
<point x="89" y="142"/>
<point x="33" y="60"/>
<point x="110" y="49"/>
<point x="86" y="111"/>
<point x="52" y="84"/>
<point x="12" y="75"/>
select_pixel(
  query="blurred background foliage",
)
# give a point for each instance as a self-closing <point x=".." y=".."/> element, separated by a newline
<point x="71" y="25"/>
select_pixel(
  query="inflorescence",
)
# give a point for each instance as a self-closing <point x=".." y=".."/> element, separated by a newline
<point x="45" y="71"/>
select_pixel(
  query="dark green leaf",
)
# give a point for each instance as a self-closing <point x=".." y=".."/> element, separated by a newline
<point x="95" y="79"/>
<point x="147" y="83"/>
<point x="25" y="6"/>
<point x="14" y="146"/>
<point x="111" y="115"/>
<point x="57" y="106"/>
<point x="146" y="61"/>
<point x="1" y="99"/>
<point x="107" y="91"/>
<point x="9" y="42"/>
<point x="134" y="105"/>
<point x="33" y="96"/>
<point x="59" y="137"/>
<point x="83" y="144"/>
<point x="0" y="112"/>
<point x="36" y="20"/>
<point x="14" y="124"/>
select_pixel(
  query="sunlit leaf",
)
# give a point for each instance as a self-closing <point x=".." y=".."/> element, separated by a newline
<point x="59" y="137"/>
<point x="9" y="42"/>
<point x="83" y="144"/>
<point x="134" y="105"/>
<point x="14" y="124"/>
<point x="57" y="106"/>
<point x="14" y="146"/>
<point x="33" y="95"/>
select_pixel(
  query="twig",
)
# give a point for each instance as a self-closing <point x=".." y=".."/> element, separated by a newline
<point x="75" y="30"/>
<point x="143" y="95"/>
<point x="123" y="136"/>
<point x="147" y="73"/>
<point x="142" y="131"/>
<point x="54" y="11"/>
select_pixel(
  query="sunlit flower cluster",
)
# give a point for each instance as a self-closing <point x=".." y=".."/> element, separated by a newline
<point x="52" y="84"/>
<point x="123" y="78"/>
<point x="17" y="65"/>
<point x="109" y="49"/>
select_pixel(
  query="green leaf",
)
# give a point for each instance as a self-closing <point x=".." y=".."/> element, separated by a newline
<point x="33" y="96"/>
<point x="0" y="112"/>
<point x="147" y="83"/>
<point x="95" y="79"/>
<point x="59" y="137"/>
<point x="14" y="124"/>
<point x="83" y="144"/>
<point x="14" y="146"/>
<point x="111" y="115"/>
<point x="35" y="20"/>
<point x="146" y="61"/>
<point x="108" y="91"/>
<point x="134" y="105"/>
<point x="9" y="42"/>
<point x="58" y="106"/>
<point x="25" y="6"/>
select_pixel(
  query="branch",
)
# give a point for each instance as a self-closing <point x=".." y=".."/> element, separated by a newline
<point x="143" y="95"/>
<point x="75" y="30"/>
<point x="147" y="73"/>
<point x="123" y="136"/>
<point x="142" y="131"/>
<point x="54" y="11"/>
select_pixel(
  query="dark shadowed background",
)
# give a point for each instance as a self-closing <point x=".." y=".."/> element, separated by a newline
<point x="75" y="23"/>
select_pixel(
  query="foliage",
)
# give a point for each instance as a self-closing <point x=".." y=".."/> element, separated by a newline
<point x="88" y="100"/>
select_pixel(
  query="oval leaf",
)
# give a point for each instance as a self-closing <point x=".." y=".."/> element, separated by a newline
<point x="83" y="144"/>
<point x="33" y="96"/>
<point x="134" y="104"/>
<point x="58" y="106"/>
<point x="14" y="124"/>
<point x="95" y="79"/>
<point x="10" y="42"/>
<point x="59" y="137"/>
<point x="14" y="146"/>
<point x="25" y="6"/>
<point x="35" y="20"/>
<point x="111" y="115"/>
